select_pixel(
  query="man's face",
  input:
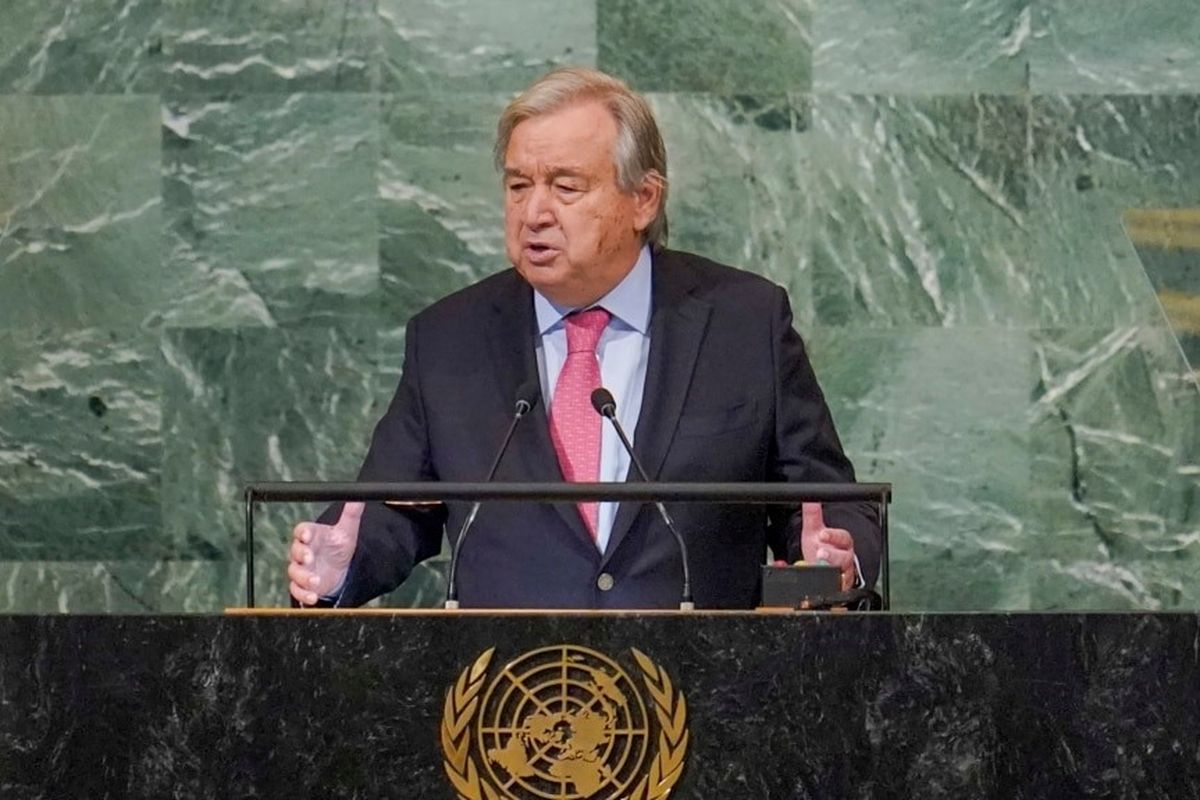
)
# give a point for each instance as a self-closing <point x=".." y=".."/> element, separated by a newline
<point x="569" y="229"/>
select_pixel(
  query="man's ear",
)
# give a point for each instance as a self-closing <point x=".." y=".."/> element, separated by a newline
<point x="647" y="200"/>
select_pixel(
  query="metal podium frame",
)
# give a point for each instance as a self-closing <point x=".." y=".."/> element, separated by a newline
<point x="437" y="492"/>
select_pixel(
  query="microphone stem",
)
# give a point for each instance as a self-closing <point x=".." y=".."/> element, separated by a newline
<point x="452" y="574"/>
<point x="685" y="603"/>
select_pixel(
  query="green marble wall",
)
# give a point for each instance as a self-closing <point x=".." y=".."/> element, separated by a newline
<point x="215" y="218"/>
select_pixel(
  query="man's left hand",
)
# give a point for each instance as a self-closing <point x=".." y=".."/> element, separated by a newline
<point x="833" y="545"/>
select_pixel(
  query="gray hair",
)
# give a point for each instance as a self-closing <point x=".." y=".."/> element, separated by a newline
<point x="639" y="152"/>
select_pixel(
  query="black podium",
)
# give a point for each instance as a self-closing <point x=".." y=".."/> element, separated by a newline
<point x="739" y="705"/>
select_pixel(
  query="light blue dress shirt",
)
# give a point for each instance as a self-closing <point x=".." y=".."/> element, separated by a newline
<point x="623" y="351"/>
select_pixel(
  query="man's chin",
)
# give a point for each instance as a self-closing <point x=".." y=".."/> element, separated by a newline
<point x="541" y="276"/>
<point x="551" y="285"/>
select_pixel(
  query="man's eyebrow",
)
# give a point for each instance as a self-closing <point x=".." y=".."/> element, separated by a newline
<point x="558" y="172"/>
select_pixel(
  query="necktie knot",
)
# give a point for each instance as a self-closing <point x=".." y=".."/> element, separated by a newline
<point x="584" y="329"/>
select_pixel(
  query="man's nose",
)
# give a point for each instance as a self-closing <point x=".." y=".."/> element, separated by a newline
<point x="538" y="210"/>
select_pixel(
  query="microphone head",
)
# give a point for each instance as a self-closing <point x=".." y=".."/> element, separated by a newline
<point x="527" y="397"/>
<point x="603" y="402"/>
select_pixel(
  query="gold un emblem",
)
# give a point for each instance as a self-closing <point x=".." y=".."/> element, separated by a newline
<point x="564" y="723"/>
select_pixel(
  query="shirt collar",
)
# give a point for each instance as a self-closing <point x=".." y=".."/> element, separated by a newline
<point x="628" y="301"/>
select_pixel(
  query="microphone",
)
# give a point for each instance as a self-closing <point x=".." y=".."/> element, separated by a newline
<point x="527" y="398"/>
<point x="606" y="406"/>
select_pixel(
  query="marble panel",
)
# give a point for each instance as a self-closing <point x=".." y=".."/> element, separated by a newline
<point x="1092" y="159"/>
<point x="1148" y="47"/>
<point x="78" y="47"/>
<point x="941" y="414"/>
<point x="885" y="47"/>
<point x="260" y="404"/>
<point x="1116" y="470"/>
<point x="80" y="212"/>
<point x="966" y="581"/>
<point x="80" y="440"/>
<point x="270" y="206"/>
<point x="441" y="206"/>
<point x="922" y="215"/>
<point x="120" y="587"/>
<point x="738" y="169"/>
<point x="1132" y="151"/>
<point x="216" y="47"/>
<point x="751" y="47"/>
<point x="435" y="46"/>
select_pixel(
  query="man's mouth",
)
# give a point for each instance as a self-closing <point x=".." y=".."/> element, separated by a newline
<point x="539" y="252"/>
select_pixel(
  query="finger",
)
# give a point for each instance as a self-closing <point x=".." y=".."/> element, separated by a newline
<point x="302" y="532"/>
<point x="298" y="574"/>
<point x="351" y="514"/>
<point x="302" y="596"/>
<point x="838" y="558"/>
<point x="299" y="553"/>
<point x="812" y="517"/>
<point x="839" y="538"/>
<point x="848" y="579"/>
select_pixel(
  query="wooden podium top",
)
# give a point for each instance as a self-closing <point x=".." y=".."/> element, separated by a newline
<point x="474" y="612"/>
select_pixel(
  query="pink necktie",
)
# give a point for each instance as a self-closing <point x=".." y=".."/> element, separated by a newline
<point x="574" y="424"/>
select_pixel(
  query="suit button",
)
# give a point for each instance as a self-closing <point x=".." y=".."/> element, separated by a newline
<point x="605" y="582"/>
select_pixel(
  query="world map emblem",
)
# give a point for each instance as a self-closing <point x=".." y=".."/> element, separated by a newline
<point x="564" y="723"/>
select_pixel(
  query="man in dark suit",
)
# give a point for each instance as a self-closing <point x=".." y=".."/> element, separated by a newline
<point x="702" y="359"/>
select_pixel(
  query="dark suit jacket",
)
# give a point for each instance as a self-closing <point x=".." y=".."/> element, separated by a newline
<point x="729" y="396"/>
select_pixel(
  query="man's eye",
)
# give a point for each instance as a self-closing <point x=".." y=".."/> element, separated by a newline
<point x="517" y="186"/>
<point x="566" y="188"/>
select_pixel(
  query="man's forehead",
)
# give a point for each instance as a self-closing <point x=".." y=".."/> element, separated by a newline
<point x="570" y="142"/>
<point x="572" y="127"/>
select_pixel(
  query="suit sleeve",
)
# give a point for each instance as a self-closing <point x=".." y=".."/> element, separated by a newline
<point x="392" y="541"/>
<point x="807" y="449"/>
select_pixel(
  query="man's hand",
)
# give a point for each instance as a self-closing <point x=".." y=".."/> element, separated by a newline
<point x="320" y="554"/>
<point x="819" y="543"/>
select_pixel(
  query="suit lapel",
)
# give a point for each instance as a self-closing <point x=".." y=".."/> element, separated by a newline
<point x="512" y="338"/>
<point x="677" y="325"/>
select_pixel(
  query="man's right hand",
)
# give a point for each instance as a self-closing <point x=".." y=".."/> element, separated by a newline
<point x="320" y="554"/>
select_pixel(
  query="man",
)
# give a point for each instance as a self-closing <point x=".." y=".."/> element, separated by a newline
<point x="701" y="358"/>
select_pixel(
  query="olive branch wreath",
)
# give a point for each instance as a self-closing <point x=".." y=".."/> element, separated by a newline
<point x="462" y="701"/>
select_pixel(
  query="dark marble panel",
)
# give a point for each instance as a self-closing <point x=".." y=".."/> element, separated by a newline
<point x="80" y="212"/>
<point x="1116" y="470"/>
<point x="1135" y="151"/>
<point x="1023" y="706"/>
<point x="247" y="46"/>
<point x="922" y="215"/>
<point x="80" y="443"/>
<point x="436" y="46"/>
<point x="921" y="46"/>
<point x="81" y="47"/>
<point x="270" y="208"/>
<point x="1093" y="158"/>
<point x="751" y="47"/>
<point x="1148" y="47"/>
<point x="942" y="415"/>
